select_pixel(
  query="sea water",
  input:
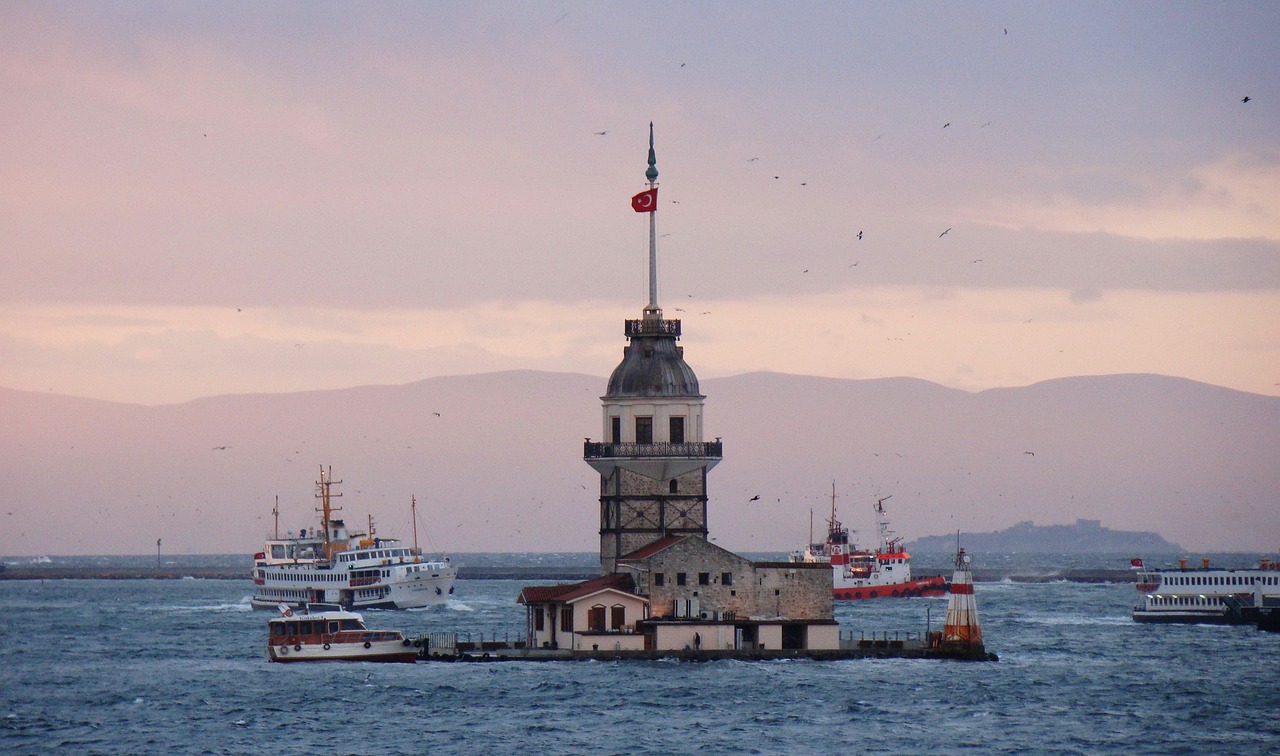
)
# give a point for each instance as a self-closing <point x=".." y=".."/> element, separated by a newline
<point x="179" y="666"/>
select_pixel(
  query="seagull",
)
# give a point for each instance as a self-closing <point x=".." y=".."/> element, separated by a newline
<point x="859" y="234"/>
<point x="754" y="498"/>
<point x="601" y="133"/>
<point x="220" y="448"/>
<point x="437" y="414"/>
<point x="976" y="261"/>
<point x="944" y="233"/>
<point x="752" y="160"/>
<point x="948" y="123"/>
<point x="1030" y="452"/>
<point x="1246" y="98"/>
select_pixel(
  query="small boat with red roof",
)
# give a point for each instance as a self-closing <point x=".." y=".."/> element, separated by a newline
<point x="881" y="572"/>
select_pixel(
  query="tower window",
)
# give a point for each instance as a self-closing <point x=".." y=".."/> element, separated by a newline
<point x="726" y="578"/>
<point x="679" y="578"/>
<point x="659" y="578"/>
<point x="615" y="430"/>
<point x="675" y="486"/>
<point x="704" y="578"/>
<point x="677" y="430"/>
<point x="644" y="430"/>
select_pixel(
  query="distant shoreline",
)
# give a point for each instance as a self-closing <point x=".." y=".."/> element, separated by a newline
<point x="498" y="572"/>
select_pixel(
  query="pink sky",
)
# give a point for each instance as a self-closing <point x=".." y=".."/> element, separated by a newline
<point x="200" y="200"/>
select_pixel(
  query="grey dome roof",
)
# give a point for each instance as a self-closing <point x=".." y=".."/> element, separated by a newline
<point x="652" y="366"/>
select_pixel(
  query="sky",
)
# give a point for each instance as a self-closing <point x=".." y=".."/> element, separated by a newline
<point x="247" y="197"/>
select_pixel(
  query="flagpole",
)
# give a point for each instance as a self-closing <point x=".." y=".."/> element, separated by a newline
<point x="652" y="175"/>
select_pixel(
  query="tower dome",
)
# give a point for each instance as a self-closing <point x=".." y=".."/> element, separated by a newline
<point x="652" y="364"/>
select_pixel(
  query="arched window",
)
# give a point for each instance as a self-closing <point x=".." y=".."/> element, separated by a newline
<point x="595" y="619"/>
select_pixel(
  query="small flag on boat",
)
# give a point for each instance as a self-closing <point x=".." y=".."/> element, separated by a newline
<point x="1135" y="564"/>
<point x="646" y="201"/>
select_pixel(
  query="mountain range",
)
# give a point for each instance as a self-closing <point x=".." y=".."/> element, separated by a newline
<point x="495" y="462"/>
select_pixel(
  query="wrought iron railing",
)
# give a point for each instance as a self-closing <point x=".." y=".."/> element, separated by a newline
<point x="697" y="449"/>
<point x="651" y="327"/>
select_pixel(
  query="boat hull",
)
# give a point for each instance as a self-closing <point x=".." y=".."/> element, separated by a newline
<point x="418" y="592"/>
<point x="369" y="651"/>
<point x="935" y="587"/>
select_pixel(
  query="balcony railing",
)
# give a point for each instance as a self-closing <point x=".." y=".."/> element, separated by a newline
<point x="696" y="450"/>
<point x="650" y="327"/>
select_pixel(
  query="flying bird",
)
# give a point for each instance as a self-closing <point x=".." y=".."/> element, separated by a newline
<point x="1246" y="98"/>
<point x="220" y="448"/>
<point x="944" y="233"/>
<point x="437" y="414"/>
<point x="859" y="234"/>
<point x="601" y="133"/>
<point x="754" y="498"/>
<point x="948" y="123"/>
<point x="1030" y="452"/>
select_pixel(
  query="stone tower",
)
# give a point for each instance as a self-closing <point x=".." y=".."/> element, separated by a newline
<point x="653" y="462"/>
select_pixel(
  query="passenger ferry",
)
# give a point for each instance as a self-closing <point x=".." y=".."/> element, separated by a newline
<point x="857" y="574"/>
<point x="353" y="570"/>
<point x="325" y="632"/>
<point x="1208" y="594"/>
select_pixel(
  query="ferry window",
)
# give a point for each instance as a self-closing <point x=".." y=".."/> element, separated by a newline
<point x="704" y="578"/>
<point x="333" y="626"/>
<point x="659" y="578"/>
<point x="277" y="551"/>
<point x="679" y="578"/>
<point x="350" y="624"/>
<point x="726" y="578"/>
<point x="277" y="628"/>
<point x="644" y="430"/>
<point x="618" y="616"/>
<point x="305" y="628"/>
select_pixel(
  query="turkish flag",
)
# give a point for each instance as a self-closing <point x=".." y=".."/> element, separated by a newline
<point x="1135" y="564"/>
<point x="646" y="201"/>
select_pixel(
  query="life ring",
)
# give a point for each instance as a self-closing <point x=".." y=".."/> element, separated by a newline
<point x="367" y="644"/>
<point x="326" y="647"/>
<point x="297" y="647"/>
<point x="284" y="650"/>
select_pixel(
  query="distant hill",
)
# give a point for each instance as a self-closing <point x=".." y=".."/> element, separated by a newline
<point x="1084" y="537"/>
<point x="495" y="461"/>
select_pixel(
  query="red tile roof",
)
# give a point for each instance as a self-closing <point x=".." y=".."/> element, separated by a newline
<point x="647" y="551"/>
<point x="541" y="594"/>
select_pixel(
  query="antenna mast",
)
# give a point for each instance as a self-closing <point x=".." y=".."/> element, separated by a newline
<point x="323" y="494"/>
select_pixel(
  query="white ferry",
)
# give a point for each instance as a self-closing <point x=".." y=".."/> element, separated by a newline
<point x="353" y="570"/>
<point x="325" y="632"/>
<point x="1208" y="594"/>
<point x="858" y="574"/>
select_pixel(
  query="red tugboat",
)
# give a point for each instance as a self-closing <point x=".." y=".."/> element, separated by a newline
<point x="884" y="572"/>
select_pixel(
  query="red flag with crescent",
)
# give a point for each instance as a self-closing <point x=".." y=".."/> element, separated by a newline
<point x="646" y="201"/>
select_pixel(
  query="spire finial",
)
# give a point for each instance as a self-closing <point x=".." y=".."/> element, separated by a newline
<point x="652" y="173"/>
